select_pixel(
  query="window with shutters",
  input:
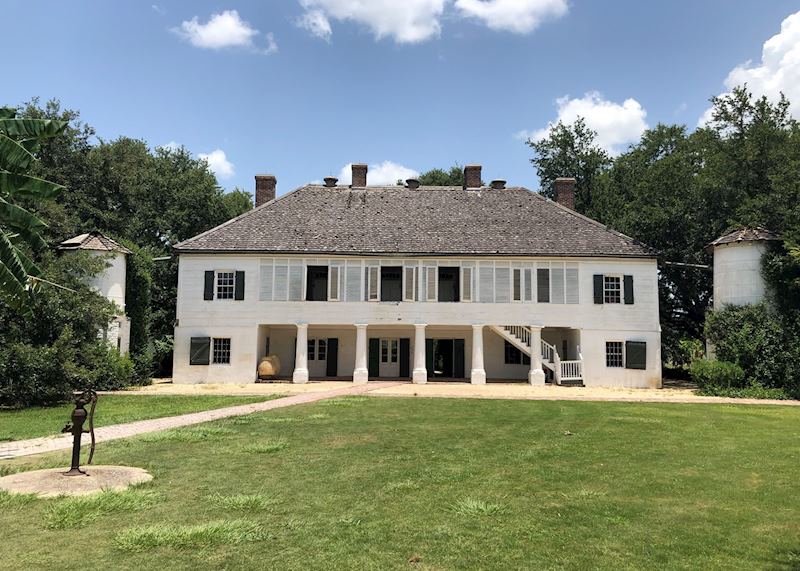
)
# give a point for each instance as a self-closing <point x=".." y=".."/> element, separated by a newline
<point x="410" y="279"/>
<point x="466" y="284"/>
<point x="317" y="283"/>
<point x="449" y="284"/>
<point x="221" y="354"/>
<point x="226" y="283"/>
<point x="612" y="289"/>
<point x="614" y="354"/>
<point x="391" y="283"/>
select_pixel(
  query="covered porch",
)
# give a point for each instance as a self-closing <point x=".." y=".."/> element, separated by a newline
<point x="419" y="353"/>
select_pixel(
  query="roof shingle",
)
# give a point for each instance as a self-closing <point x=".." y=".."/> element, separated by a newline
<point x="429" y="220"/>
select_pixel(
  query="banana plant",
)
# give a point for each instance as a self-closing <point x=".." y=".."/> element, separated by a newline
<point x="19" y="140"/>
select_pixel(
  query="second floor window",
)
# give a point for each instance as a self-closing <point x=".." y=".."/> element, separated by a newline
<point x="226" y="283"/>
<point x="612" y="291"/>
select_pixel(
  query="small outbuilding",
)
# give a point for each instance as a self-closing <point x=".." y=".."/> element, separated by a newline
<point x="737" y="266"/>
<point x="110" y="283"/>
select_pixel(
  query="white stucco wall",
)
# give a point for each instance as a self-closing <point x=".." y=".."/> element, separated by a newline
<point x="737" y="273"/>
<point x="111" y="283"/>
<point x="244" y="321"/>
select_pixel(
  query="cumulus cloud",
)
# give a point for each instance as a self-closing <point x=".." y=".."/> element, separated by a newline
<point x="778" y="71"/>
<point x="406" y="21"/>
<point x="386" y="173"/>
<point x="518" y="16"/>
<point x="218" y="163"/>
<point x="616" y="124"/>
<point x="317" y="23"/>
<point x="224" y="30"/>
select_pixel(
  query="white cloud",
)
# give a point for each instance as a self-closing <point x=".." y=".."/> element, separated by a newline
<point x="518" y="16"/>
<point x="172" y="146"/>
<point x="159" y="10"/>
<point x="778" y="71"/>
<point x="317" y="23"/>
<point x="224" y="30"/>
<point x="385" y="173"/>
<point x="218" y="163"/>
<point x="616" y="124"/>
<point x="406" y="21"/>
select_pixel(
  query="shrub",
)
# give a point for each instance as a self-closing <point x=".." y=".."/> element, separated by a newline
<point x="716" y="374"/>
<point x="32" y="375"/>
<point x="753" y="391"/>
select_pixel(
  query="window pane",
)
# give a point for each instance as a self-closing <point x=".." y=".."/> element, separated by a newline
<point x="394" y="350"/>
<point x="225" y="285"/>
<point x="614" y="354"/>
<point x="322" y="349"/>
<point x="612" y="292"/>
<point x="384" y="351"/>
<point x="222" y="351"/>
<point x="311" y="351"/>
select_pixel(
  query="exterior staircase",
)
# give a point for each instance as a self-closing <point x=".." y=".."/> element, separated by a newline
<point x="565" y="373"/>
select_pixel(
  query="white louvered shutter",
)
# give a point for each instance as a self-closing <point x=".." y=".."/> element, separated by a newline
<point x="466" y="284"/>
<point x="502" y="284"/>
<point x="265" y="287"/>
<point x="527" y="289"/>
<point x="557" y="283"/>
<point x="486" y="282"/>
<point x="353" y="281"/>
<point x="295" y="280"/>
<point x="281" y="281"/>
<point x="572" y="288"/>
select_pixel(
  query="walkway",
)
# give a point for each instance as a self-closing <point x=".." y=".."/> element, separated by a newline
<point x="104" y="434"/>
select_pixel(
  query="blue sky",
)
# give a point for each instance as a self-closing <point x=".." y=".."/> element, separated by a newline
<point x="301" y="88"/>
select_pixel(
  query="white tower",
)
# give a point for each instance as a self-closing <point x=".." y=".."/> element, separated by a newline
<point x="737" y="266"/>
<point x="110" y="283"/>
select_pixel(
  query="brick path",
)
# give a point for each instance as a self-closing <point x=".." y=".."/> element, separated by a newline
<point x="105" y="433"/>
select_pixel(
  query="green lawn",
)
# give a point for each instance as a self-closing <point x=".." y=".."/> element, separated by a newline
<point x="111" y="409"/>
<point x="381" y="483"/>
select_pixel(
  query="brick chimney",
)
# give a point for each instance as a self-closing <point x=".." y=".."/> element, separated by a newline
<point x="265" y="188"/>
<point x="472" y="176"/>
<point x="564" y="192"/>
<point x="359" y="175"/>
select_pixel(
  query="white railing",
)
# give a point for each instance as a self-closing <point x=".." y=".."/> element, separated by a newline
<point x="520" y="332"/>
<point x="571" y="370"/>
<point x="548" y="351"/>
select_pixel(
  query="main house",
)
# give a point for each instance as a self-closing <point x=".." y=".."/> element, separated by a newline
<point x="413" y="282"/>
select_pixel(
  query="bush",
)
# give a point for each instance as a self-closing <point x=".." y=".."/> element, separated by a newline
<point x="753" y="391"/>
<point x="31" y="376"/>
<point x="710" y="375"/>
<point x="763" y="342"/>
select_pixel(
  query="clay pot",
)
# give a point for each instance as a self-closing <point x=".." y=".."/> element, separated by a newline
<point x="269" y="366"/>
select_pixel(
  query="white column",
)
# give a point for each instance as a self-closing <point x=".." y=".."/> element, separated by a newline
<point x="420" y="374"/>
<point x="536" y="374"/>
<point x="361" y="372"/>
<point x="478" y="374"/>
<point x="300" y="374"/>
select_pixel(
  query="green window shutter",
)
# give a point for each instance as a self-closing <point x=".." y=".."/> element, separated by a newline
<point x="635" y="355"/>
<point x="238" y="289"/>
<point x="627" y="282"/>
<point x="208" y="290"/>
<point x="598" y="288"/>
<point x="200" y="350"/>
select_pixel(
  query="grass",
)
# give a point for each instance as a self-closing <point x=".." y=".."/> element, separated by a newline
<point x="387" y="483"/>
<point x="267" y="447"/>
<point x="223" y="532"/>
<point x="197" y="433"/>
<point x="111" y="409"/>
<point x="80" y="511"/>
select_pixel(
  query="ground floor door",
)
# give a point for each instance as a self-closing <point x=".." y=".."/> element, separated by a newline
<point x="445" y="358"/>
<point x="389" y="358"/>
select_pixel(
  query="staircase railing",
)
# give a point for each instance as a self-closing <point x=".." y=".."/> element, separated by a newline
<point x="570" y="370"/>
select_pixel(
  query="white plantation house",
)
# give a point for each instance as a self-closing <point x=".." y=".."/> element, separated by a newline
<point x="470" y="283"/>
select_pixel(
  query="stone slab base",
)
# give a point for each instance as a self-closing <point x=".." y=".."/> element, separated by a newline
<point x="53" y="482"/>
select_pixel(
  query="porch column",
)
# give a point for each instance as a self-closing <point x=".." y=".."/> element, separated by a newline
<point x="478" y="374"/>
<point x="361" y="372"/>
<point x="536" y="374"/>
<point x="300" y="374"/>
<point x="420" y="374"/>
